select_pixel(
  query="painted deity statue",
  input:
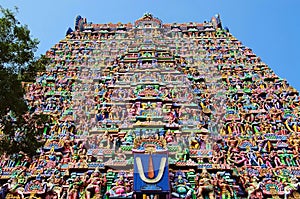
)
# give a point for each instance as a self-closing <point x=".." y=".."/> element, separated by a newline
<point x="95" y="185"/>
<point x="205" y="185"/>
<point x="181" y="186"/>
<point x="226" y="192"/>
<point x="16" y="184"/>
<point x="74" y="187"/>
<point x="120" y="188"/>
<point x="54" y="182"/>
<point x="291" y="187"/>
<point x="253" y="187"/>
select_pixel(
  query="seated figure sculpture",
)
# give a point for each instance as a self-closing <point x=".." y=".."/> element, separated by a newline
<point x="181" y="187"/>
<point x="120" y="188"/>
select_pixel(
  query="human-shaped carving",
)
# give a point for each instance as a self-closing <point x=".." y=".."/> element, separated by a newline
<point x="226" y="191"/>
<point x="169" y="136"/>
<point x="205" y="185"/>
<point x="252" y="187"/>
<point x="121" y="188"/>
<point x="97" y="181"/>
<point x="74" y="187"/>
<point x="291" y="186"/>
<point x="4" y="190"/>
<point x="181" y="186"/>
<point x="17" y="182"/>
<point x="54" y="183"/>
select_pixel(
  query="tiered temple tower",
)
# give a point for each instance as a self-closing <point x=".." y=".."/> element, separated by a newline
<point x="155" y="110"/>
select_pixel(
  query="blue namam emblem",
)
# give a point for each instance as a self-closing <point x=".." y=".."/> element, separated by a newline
<point x="151" y="173"/>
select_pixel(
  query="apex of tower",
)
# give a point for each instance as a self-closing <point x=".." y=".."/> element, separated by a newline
<point x="148" y="14"/>
<point x="147" y="20"/>
<point x="216" y="21"/>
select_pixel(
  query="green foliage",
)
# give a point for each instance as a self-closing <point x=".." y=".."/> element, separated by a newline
<point x="16" y="45"/>
<point x="19" y="130"/>
<point x="28" y="74"/>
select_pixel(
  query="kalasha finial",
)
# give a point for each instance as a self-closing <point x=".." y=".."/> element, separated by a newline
<point x="148" y="14"/>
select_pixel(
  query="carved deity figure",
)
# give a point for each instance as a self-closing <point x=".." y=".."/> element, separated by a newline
<point x="74" y="187"/>
<point x="181" y="186"/>
<point x="120" y="188"/>
<point x="96" y="182"/>
<point x="205" y="185"/>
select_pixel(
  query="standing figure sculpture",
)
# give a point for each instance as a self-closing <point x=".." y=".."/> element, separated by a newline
<point x="226" y="192"/>
<point x="74" y="188"/>
<point x="95" y="185"/>
<point x="205" y="185"/>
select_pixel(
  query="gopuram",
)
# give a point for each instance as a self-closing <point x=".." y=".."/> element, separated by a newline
<point x="154" y="110"/>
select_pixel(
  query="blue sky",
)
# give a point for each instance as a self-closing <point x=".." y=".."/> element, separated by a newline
<point x="270" y="27"/>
